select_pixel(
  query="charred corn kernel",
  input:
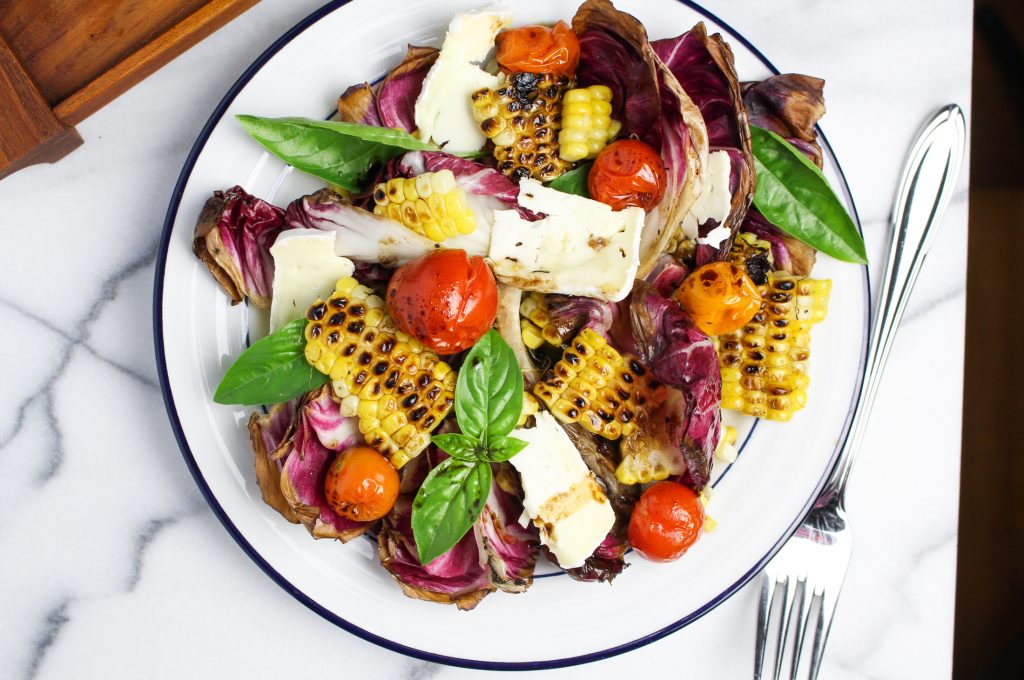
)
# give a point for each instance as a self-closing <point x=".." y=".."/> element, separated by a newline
<point x="398" y="389"/>
<point x="530" y="408"/>
<point x="647" y="454"/>
<point x="764" y="364"/>
<point x="726" y="450"/>
<point x="523" y="118"/>
<point x="587" y="125"/>
<point x="536" y="324"/>
<point x="431" y="204"/>
<point x="597" y="387"/>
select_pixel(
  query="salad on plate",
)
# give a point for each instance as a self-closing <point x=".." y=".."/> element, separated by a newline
<point x="544" y="261"/>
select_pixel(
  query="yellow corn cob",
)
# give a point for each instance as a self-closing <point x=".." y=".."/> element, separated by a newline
<point x="587" y="125"/>
<point x="752" y="255"/>
<point x="522" y="118"/>
<point x="535" y="322"/>
<point x="530" y="408"/>
<point x="399" y="389"/>
<point x="430" y="204"/>
<point x="597" y="387"/>
<point x="764" y="364"/>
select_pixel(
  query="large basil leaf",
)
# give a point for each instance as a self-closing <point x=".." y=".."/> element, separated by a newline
<point x="271" y="371"/>
<point x="795" y="196"/>
<point x="489" y="391"/>
<point x="574" y="181"/>
<point x="447" y="504"/>
<point x="340" y="153"/>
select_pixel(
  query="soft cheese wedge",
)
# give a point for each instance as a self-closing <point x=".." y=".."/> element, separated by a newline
<point x="305" y="269"/>
<point x="444" y="112"/>
<point x="714" y="202"/>
<point x="581" y="247"/>
<point x="561" y="496"/>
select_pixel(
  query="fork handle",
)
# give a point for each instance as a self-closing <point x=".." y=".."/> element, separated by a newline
<point x="925" y="190"/>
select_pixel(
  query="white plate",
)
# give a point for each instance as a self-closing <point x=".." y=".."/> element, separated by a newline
<point x="198" y="335"/>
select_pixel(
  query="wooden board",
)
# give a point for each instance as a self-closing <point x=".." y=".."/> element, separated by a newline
<point x="61" y="60"/>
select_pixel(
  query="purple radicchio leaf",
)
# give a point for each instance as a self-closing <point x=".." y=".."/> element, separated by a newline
<point x="358" y="104"/>
<point x="790" y="105"/>
<point x="570" y="314"/>
<point x="396" y="96"/>
<point x="703" y="65"/>
<point x="607" y="562"/>
<point x="320" y="432"/>
<point x="758" y="225"/>
<point x="511" y="549"/>
<point x="614" y="51"/>
<point x="233" y="238"/>
<point x="460" y="576"/>
<point x="667" y="275"/>
<point x="269" y="434"/>
<point x="683" y="357"/>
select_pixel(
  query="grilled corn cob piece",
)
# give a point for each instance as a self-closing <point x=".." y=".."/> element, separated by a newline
<point x="648" y="455"/>
<point x="430" y="204"/>
<point x="530" y="408"/>
<point x="399" y="389"/>
<point x="752" y="255"/>
<point x="764" y="364"/>
<point x="522" y="118"/>
<point x="597" y="387"/>
<point x="535" y="322"/>
<point x="587" y="125"/>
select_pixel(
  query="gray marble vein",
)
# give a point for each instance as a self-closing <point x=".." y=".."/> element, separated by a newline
<point x="54" y="621"/>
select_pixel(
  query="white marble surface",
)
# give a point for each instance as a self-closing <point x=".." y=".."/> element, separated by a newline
<point x="111" y="564"/>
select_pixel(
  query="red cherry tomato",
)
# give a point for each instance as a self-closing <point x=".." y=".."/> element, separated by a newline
<point x="666" y="521"/>
<point x="719" y="297"/>
<point x="445" y="300"/>
<point x="539" y="49"/>
<point x="361" y="484"/>
<point x="627" y="173"/>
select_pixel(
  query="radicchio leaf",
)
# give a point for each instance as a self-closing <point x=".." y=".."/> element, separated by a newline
<point x="790" y="105"/>
<point x="667" y="275"/>
<point x="758" y="225"/>
<point x="681" y="356"/>
<point x="396" y="96"/>
<point x="320" y="431"/>
<point x="570" y="314"/>
<point x="608" y="559"/>
<point x="460" y="576"/>
<point x="511" y="549"/>
<point x="358" y="104"/>
<point x="268" y="433"/>
<point x="703" y="65"/>
<point x="233" y="238"/>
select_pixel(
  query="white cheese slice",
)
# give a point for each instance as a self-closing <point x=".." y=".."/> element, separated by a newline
<point x="714" y="202"/>
<point x="305" y="269"/>
<point x="561" y="495"/>
<point x="582" y="247"/>
<point x="443" y="109"/>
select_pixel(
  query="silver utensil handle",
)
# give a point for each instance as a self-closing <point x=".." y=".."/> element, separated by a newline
<point x="925" y="190"/>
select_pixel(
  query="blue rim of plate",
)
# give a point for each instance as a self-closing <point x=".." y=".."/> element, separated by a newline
<point x="255" y="556"/>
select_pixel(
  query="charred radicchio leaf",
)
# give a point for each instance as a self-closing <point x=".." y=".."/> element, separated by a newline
<point x="683" y="357"/>
<point x="268" y="433"/>
<point x="511" y="549"/>
<point x="233" y="238"/>
<point x="320" y="431"/>
<point x="396" y="96"/>
<point x="358" y="104"/>
<point x="790" y="105"/>
<point x="703" y="65"/>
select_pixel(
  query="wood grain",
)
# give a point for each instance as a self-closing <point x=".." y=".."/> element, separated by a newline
<point x="29" y="131"/>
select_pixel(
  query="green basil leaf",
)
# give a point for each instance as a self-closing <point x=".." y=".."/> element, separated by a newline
<point x="271" y="370"/>
<point x="457" y="445"/>
<point x="340" y="153"/>
<point x="446" y="506"/>
<point x="489" y="390"/>
<point x="795" y="196"/>
<point x="500" y="449"/>
<point x="574" y="181"/>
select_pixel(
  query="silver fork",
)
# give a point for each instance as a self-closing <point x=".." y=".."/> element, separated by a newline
<point x="811" y="566"/>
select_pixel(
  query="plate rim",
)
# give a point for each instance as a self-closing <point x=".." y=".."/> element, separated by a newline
<point x="253" y="554"/>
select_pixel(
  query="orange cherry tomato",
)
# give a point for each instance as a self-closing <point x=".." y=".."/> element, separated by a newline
<point x="666" y="521"/>
<point x="719" y="297"/>
<point x="539" y="49"/>
<point x="627" y="173"/>
<point x="445" y="299"/>
<point x="361" y="484"/>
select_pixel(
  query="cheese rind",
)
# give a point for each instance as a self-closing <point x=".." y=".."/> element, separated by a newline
<point x="581" y="247"/>
<point x="561" y="495"/>
<point x="305" y="269"/>
<point x="444" y="111"/>
<point x="714" y="202"/>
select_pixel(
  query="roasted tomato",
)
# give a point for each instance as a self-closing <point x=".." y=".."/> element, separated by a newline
<point x="719" y="297"/>
<point x="361" y="484"/>
<point x="539" y="49"/>
<point x="445" y="300"/>
<point x="666" y="521"/>
<point x="627" y="173"/>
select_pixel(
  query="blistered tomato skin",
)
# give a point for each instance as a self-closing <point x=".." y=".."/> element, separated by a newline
<point x="361" y="484"/>
<point x="445" y="299"/>
<point x="719" y="297"/>
<point x="539" y="49"/>
<point x="627" y="173"/>
<point x="666" y="521"/>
